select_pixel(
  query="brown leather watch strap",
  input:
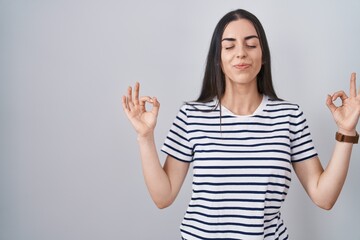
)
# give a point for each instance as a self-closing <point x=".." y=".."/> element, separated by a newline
<point x="344" y="138"/>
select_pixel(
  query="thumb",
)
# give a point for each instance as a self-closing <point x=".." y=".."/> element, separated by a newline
<point x="156" y="106"/>
<point x="330" y="104"/>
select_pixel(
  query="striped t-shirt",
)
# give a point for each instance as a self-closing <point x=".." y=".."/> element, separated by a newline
<point x="241" y="167"/>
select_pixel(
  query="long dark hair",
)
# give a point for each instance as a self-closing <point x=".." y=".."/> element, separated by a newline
<point x="214" y="79"/>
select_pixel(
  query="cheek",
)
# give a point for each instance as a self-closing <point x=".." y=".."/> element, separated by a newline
<point x="259" y="57"/>
<point x="257" y="60"/>
<point x="225" y="60"/>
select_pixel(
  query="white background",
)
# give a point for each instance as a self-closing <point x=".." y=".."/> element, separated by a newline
<point x="69" y="161"/>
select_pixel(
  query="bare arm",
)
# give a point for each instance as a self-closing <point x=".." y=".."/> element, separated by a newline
<point x="163" y="182"/>
<point x="324" y="186"/>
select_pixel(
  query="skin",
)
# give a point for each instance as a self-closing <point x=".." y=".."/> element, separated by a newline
<point x="242" y="98"/>
<point x="241" y="60"/>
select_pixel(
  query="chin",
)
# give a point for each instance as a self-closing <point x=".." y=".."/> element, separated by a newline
<point x="243" y="80"/>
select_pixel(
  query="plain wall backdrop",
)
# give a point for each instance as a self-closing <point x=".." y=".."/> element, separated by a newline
<point x="69" y="160"/>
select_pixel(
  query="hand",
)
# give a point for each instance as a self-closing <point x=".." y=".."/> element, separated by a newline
<point x="346" y="116"/>
<point x="143" y="121"/>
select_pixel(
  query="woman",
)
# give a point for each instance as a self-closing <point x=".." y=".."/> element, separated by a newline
<point x="242" y="140"/>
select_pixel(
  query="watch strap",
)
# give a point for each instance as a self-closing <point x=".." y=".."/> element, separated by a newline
<point x="344" y="138"/>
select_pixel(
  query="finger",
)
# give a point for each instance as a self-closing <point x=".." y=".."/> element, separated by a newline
<point x="339" y="94"/>
<point x="143" y="101"/>
<point x="136" y="93"/>
<point x="353" y="85"/>
<point x="330" y="104"/>
<point x="156" y="106"/>
<point x="129" y="98"/>
<point x="124" y="104"/>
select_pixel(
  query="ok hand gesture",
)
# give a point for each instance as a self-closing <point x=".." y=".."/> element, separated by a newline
<point x="143" y="121"/>
<point x="346" y="116"/>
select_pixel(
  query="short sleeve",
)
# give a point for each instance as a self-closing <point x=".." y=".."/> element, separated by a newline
<point x="177" y="143"/>
<point x="301" y="143"/>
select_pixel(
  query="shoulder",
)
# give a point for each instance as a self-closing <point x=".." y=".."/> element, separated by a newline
<point x="279" y="105"/>
<point x="199" y="106"/>
<point x="199" y="111"/>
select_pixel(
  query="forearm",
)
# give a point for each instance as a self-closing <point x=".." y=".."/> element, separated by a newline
<point x="155" y="177"/>
<point x="333" y="177"/>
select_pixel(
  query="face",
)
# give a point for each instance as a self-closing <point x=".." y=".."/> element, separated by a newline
<point x="241" y="55"/>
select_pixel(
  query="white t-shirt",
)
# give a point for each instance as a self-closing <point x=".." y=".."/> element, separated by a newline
<point x="241" y="167"/>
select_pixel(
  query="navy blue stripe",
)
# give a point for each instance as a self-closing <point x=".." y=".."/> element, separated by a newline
<point x="177" y="158"/>
<point x="204" y="238"/>
<point x="242" y="159"/>
<point x="183" y="112"/>
<point x="211" y="117"/>
<point x="279" y="116"/>
<point x="280" y="109"/>
<point x="223" y="223"/>
<point x="271" y="214"/>
<point x="270" y="226"/>
<point x="305" y="150"/>
<point x="177" y="150"/>
<point x="281" y="233"/>
<point x="282" y="104"/>
<point x="178" y="134"/>
<point x="240" y="192"/>
<point x="301" y="144"/>
<point x="227" y="208"/>
<point x="183" y="121"/>
<point x="227" y="200"/>
<point x="224" y="231"/>
<point x="202" y="110"/>
<point x="177" y="143"/>
<point x="272" y="219"/>
<point x="242" y="175"/>
<point x="241" y="184"/>
<point x="234" y="151"/>
<point x="242" y="145"/>
<point x="206" y="104"/>
<point x="295" y="139"/>
<point x="304" y="158"/>
<point x="237" y="200"/>
<point x="270" y="234"/>
<point x="272" y="207"/>
<point x="299" y="131"/>
<point x="245" y="123"/>
<point x="239" y="139"/>
<point x="242" y="167"/>
<point x="239" y="131"/>
<point x="225" y="215"/>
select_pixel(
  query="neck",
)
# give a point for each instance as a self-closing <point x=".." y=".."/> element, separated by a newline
<point x="241" y="99"/>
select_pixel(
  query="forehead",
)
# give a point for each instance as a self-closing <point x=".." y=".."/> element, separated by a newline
<point x="239" y="29"/>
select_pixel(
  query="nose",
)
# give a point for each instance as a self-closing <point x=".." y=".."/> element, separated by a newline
<point x="241" y="52"/>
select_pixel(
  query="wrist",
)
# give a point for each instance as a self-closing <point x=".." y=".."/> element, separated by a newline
<point x="145" y="137"/>
<point x="347" y="132"/>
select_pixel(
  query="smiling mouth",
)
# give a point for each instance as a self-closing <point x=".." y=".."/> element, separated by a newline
<point x="242" y="66"/>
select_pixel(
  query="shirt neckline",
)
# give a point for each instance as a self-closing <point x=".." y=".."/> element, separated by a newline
<point x="258" y="110"/>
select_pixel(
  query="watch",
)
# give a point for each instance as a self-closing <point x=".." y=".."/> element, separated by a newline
<point x="349" y="139"/>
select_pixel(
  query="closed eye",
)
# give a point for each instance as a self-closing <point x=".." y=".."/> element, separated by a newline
<point x="228" y="48"/>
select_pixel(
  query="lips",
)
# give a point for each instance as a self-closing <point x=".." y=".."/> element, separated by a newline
<point x="242" y="66"/>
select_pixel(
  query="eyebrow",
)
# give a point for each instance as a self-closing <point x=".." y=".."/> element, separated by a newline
<point x="246" y="38"/>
